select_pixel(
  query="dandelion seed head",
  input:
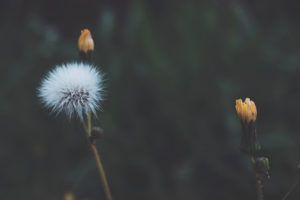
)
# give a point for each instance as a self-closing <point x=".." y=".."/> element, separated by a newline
<point x="73" y="88"/>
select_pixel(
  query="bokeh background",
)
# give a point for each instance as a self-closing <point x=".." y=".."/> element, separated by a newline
<point x="173" y="71"/>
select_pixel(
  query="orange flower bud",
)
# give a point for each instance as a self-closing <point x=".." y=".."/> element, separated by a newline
<point x="85" y="41"/>
<point x="246" y="110"/>
<point x="69" y="196"/>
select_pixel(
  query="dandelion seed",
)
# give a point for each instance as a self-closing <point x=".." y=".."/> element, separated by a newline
<point x="73" y="88"/>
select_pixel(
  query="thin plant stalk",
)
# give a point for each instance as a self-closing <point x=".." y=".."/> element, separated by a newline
<point x="88" y="130"/>
<point x="86" y="46"/>
<point x="291" y="190"/>
<point x="259" y="186"/>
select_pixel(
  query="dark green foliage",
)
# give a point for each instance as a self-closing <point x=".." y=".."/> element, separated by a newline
<point x="173" y="70"/>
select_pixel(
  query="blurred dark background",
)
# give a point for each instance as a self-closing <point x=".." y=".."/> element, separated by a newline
<point x="174" y="69"/>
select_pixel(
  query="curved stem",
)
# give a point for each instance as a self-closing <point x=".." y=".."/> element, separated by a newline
<point x="94" y="150"/>
<point x="291" y="190"/>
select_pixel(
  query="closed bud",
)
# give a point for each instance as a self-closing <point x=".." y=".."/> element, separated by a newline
<point x="262" y="165"/>
<point x="95" y="134"/>
<point x="247" y="114"/>
<point x="246" y="110"/>
<point x="85" y="41"/>
<point x="97" y="131"/>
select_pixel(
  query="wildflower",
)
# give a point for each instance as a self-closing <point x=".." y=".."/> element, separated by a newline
<point x="85" y="41"/>
<point x="246" y="110"/>
<point x="247" y="114"/>
<point x="73" y="88"/>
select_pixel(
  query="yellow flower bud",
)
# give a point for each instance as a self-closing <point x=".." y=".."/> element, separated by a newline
<point x="85" y="41"/>
<point x="246" y="110"/>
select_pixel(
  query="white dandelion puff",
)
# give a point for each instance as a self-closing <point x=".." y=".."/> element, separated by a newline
<point x="73" y="88"/>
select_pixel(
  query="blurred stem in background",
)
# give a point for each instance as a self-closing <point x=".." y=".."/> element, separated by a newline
<point x="294" y="186"/>
<point x="291" y="190"/>
<point x="249" y="144"/>
<point x="86" y="46"/>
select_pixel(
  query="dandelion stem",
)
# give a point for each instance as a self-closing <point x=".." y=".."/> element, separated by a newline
<point x="89" y="124"/>
<point x="259" y="186"/>
<point x="102" y="172"/>
<point x="85" y="127"/>
<point x="291" y="190"/>
<point x="97" y="158"/>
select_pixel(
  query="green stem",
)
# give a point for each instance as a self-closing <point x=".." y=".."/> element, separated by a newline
<point x="102" y="172"/>
<point x="259" y="185"/>
<point x="89" y="124"/>
<point x="97" y="158"/>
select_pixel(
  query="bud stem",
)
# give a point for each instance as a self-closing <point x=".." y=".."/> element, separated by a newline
<point x="85" y="56"/>
<point x="259" y="186"/>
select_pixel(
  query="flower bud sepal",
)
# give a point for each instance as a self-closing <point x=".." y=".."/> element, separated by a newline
<point x="262" y="166"/>
<point x="249" y="141"/>
<point x="85" y="56"/>
<point x="96" y="133"/>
